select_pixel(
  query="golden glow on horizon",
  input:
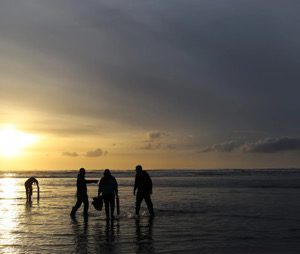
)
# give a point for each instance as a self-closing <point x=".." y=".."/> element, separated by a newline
<point x="13" y="141"/>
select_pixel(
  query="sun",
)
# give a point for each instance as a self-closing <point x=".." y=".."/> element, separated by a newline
<point x="13" y="141"/>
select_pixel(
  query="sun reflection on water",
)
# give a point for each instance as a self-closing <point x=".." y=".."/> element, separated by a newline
<point x="8" y="213"/>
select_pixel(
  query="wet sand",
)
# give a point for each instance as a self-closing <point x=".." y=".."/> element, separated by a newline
<point x="196" y="213"/>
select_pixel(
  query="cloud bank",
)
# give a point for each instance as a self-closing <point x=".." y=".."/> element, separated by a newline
<point x="154" y="135"/>
<point x="273" y="145"/>
<point x="70" y="154"/>
<point x="266" y="145"/>
<point x="96" y="153"/>
<point x="227" y="146"/>
<point x="93" y="153"/>
<point x="152" y="65"/>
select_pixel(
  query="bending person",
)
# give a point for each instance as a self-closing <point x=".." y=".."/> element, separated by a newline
<point x="82" y="196"/>
<point x="108" y="186"/>
<point x="143" y="185"/>
<point x="28" y="188"/>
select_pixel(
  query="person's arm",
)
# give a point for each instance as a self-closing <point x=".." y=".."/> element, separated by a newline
<point x="117" y="197"/>
<point x="38" y="188"/>
<point x="38" y="191"/>
<point x="135" y="185"/>
<point x="100" y="188"/>
<point x="150" y="184"/>
<point x="116" y="186"/>
<point x="91" y="181"/>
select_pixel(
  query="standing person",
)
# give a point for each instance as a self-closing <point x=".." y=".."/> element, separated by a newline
<point x="108" y="186"/>
<point x="28" y="188"/>
<point x="82" y="196"/>
<point x="143" y="185"/>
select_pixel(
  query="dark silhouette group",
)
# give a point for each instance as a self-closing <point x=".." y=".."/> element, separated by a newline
<point x="108" y="187"/>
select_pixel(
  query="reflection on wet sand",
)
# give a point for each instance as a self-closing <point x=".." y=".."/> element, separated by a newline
<point x="80" y="236"/>
<point x="106" y="237"/>
<point x="28" y="207"/>
<point x="144" y="236"/>
<point x="22" y="221"/>
<point x="9" y="214"/>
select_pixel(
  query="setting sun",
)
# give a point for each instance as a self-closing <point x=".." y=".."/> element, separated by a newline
<point x="13" y="141"/>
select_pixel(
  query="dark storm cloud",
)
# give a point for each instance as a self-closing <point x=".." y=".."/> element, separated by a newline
<point x="96" y="153"/>
<point x="202" y="66"/>
<point x="273" y="145"/>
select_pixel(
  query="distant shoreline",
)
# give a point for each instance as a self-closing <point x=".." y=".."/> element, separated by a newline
<point x="150" y="169"/>
<point x="92" y="173"/>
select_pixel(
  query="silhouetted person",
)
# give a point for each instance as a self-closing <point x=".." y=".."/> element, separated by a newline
<point x="82" y="196"/>
<point x="108" y="186"/>
<point x="28" y="187"/>
<point x="143" y="185"/>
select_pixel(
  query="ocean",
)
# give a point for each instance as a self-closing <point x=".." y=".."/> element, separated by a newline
<point x="197" y="211"/>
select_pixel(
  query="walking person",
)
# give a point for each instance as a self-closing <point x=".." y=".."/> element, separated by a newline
<point x="28" y="188"/>
<point x="108" y="186"/>
<point x="82" y="196"/>
<point x="143" y="185"/>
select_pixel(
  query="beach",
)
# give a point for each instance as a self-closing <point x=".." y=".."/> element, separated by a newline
<point x="197" y="211"/>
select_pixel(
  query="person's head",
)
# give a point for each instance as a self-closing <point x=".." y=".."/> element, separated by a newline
<point x="82" y="172"/>
<point x="138" y="168"/>
<point x="106" y="173"/>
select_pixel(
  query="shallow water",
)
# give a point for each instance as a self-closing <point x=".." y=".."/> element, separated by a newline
<point x="197" y="212"/>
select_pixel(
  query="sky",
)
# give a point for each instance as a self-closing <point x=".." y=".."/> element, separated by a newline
<point x="166" y="84"/>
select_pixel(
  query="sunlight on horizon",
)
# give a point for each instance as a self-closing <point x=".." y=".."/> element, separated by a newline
<point x="13" y="141"/>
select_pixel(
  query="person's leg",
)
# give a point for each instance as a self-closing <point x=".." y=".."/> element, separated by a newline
<point x="27" y="193"/>
<point x="78" y="204"/>
<point x="106" y="203"/>
<point x="86" y="206"/>
<point x="30" y="193"/>
<point x="139" y="199"/>
<point x="112" y="205"/>
<point x="149" y="204"/>
<point x="76" y="207"/>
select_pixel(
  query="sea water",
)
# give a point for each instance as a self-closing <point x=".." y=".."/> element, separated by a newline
<point x="197" y="211"/>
